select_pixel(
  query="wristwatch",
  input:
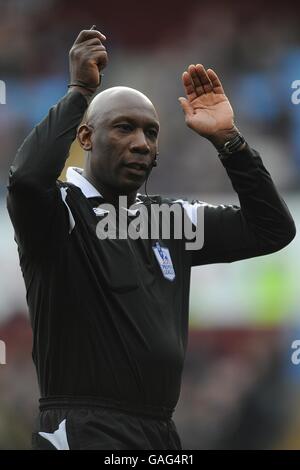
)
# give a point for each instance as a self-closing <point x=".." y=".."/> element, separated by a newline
<point x="231" y="146"/>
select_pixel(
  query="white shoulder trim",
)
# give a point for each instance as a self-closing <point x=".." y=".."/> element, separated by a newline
<point x="63" y="192"/>
<point x="191" y="209"/>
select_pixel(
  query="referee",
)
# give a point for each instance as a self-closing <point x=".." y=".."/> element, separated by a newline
<point x="110" y="316"/>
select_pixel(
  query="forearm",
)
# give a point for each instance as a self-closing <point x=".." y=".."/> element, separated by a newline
<point x="263" y="209"/>
<point x="42" y="156"/>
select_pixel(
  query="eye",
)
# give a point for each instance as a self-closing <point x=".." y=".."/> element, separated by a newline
<point x="153" y="133"/>
<point x="124" y="127"/>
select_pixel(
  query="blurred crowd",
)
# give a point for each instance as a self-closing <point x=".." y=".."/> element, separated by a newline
<point x="233" y="382"/>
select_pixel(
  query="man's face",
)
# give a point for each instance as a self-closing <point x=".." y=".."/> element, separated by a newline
<point x="124" y="146"/>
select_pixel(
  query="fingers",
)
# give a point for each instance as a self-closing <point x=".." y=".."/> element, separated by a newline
<point x="99" y="55"/>
<point x="217" y="85"/>
<point x="201" y="81"/>
<point x="92" y="42"/>
<point x="87" y="34"/>
<point x="188" y="86"/>
<point x="186" y="106"/>
<point x="197" y="81"/>
<point x="89" y="46"/>
<point x="200" y="73"/>
<point x="97" y="49"/>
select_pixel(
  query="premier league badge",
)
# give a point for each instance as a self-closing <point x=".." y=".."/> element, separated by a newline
<point x="164" y="260"/>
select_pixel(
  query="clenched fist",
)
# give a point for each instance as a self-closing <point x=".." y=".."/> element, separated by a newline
<point x="87" y="59"/>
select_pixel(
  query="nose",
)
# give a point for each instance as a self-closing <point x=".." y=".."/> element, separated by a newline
<point x="139" y="143"/>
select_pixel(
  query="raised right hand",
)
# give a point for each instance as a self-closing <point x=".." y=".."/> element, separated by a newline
<point x="87" y="58"/>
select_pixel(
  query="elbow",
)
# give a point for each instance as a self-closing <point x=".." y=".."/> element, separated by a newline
<point x="15" y="177"/>
<point x="290" y="232"/>
<point x="286" y="236"/>
<point x="19" y="179"/>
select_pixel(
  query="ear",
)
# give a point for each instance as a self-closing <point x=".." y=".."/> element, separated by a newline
<point x="84" y="133"/>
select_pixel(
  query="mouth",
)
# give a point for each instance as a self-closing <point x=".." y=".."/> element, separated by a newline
<point x="137" y="168"/>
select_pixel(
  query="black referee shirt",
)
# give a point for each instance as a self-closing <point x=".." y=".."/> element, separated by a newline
<point x="106" y="321"/>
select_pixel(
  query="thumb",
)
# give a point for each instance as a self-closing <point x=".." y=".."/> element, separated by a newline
<point x="187" y="109"/>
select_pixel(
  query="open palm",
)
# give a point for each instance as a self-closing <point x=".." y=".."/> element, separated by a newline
<point x="206" y="107"/>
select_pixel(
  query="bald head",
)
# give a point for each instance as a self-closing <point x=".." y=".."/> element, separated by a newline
<point x="117" y="100"/>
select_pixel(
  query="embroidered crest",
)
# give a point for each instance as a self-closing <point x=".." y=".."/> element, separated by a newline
<point x="164" y="260"/>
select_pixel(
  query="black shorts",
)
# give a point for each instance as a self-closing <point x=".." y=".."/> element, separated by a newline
<point x="74" y="424"/>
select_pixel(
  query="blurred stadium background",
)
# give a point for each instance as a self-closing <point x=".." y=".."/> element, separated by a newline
<point x="240" y="389"/>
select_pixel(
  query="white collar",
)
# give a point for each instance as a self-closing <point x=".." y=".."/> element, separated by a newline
<point x="74" y="176"/>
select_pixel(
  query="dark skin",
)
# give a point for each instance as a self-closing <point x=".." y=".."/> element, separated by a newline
<point x="121" y="130"/>
<point x="120" y="137"/>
